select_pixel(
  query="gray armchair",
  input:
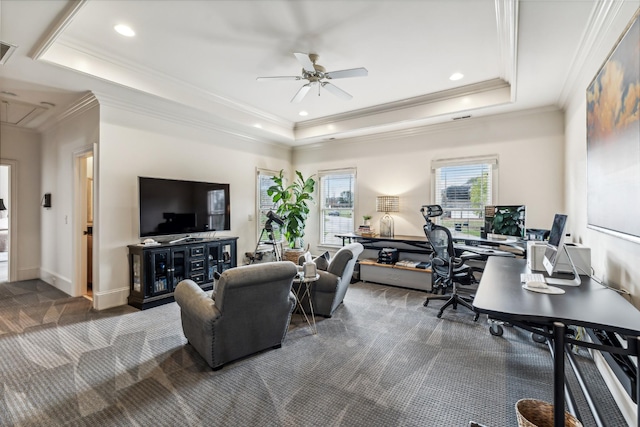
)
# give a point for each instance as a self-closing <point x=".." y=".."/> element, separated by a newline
<point x="329" y="290"/>
<point x="248" y="312"/>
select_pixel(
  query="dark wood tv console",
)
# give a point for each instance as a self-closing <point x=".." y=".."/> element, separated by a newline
<point x="155" y="270"/>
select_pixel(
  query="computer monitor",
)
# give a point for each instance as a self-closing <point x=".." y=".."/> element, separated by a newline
<point x="552" y="253"/>
<point x="504" y="221"/>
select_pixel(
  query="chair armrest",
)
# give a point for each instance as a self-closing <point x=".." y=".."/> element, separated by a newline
<point x="196" y="303"/>
<point x="328" y="282"/>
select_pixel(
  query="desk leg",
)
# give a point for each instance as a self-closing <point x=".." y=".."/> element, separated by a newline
<point x="559" y="330"/>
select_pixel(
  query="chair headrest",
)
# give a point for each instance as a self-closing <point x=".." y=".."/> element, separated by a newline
<point x="430" y="211"/>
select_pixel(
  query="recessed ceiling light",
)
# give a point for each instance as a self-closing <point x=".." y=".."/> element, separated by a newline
<point x="48" y="104"/>
<point x="124" y="30"/>
<point x="4" y="92"/>
<point x="257" y="125"/>
<point x="456" y="76"/>
<point x="303" y="113"/>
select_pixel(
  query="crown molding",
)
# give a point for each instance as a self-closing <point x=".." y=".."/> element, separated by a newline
<point x="56" y="30"/>
<point x="83" y="104"/>
<point x="417" y="101"/>
<point x="507" y="28"/>
<point x="602" y="16"/>
<point x="471" y="123"/>
<point x="170" y="111"/>
<point x="154" y="79"/>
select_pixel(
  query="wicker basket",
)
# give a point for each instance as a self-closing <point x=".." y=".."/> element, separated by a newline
<point x="536" y="413"/>
<point x="292" y="255"/>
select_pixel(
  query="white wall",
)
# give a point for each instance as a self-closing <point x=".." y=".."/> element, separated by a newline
<point x="133" y="145"/>
<point x="614" y="259"/>
<point x="529" y="145"/>
<point x="72" y="134"/>
<point x="22" y="146"/>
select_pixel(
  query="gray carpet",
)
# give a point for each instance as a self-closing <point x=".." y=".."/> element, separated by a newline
<point x="382" y="360"/>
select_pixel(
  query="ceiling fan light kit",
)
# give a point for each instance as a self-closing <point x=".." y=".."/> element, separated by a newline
<point x="317" y="75"/>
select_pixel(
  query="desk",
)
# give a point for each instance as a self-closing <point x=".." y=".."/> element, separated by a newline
<point x="500" y="295"/>
<point x="420" y="244"/>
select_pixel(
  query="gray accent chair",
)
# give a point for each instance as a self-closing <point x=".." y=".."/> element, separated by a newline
<point x="248" y="312"/>
<point x="329" y="290"/>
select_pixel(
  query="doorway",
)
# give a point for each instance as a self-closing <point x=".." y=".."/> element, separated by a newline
<point x="5" y="206"/>
<point x="84" y="222"/>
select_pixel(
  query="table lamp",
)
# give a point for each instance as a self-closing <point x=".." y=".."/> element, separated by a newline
<point x="387" y="204"/>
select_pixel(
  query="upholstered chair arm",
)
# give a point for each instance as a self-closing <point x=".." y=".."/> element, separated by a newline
<point x="193" y="300"/>
<point x="199" y="316"/>
<point x="328" y="282"/>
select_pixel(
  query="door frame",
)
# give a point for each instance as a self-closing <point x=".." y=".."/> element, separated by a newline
<point x="80" y="203"/>
<point x="13" y="217"/>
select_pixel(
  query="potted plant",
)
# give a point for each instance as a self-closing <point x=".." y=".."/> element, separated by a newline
<point x="293" y="205"/>
<point x="366" y="219"/>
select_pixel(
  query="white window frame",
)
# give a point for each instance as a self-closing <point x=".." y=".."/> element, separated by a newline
<point x="261" y="210"/>
<point x="490" y="160"/>
<point x="334" y="241"/>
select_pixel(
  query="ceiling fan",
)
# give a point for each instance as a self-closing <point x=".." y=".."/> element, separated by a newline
<point x="317" y="76"/>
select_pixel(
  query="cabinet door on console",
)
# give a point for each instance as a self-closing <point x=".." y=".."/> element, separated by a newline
<point x="212" y="255"/>
<point x="158" y="262"/>
<point x="179" y="266"/>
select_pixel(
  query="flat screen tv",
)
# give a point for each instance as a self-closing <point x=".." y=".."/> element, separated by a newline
<point x="170" y="206"/>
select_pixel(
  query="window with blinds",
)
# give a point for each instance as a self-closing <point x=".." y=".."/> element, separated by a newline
<point x="264" y="202"/>
<point x="463" y="187"/>
<point x="337" y="200"/>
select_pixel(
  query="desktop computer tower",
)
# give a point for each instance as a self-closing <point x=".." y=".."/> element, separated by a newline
<point x="581" y="256"/>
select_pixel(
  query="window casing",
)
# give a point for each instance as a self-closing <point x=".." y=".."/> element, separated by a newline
<point x="264" y="202"/>
<point x="337" y="204"/>
<point x="463" y="187"/>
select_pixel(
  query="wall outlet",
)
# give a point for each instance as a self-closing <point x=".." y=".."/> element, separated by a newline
<point x="250" y="217"/>
<point x="53" y="279"/>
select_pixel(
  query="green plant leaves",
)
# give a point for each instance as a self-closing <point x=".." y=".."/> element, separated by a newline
<point x="293" y="204"/>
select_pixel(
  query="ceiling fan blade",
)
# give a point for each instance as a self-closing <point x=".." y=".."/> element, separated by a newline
<point x="279" y="78"/>
<point x="336" y="90"/>
<point x="302" y="92"/>
<point x="341" y="74"/>
<point x="303" y="58"/>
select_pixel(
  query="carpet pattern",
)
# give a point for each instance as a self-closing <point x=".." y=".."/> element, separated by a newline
<point x="382" y="360"/>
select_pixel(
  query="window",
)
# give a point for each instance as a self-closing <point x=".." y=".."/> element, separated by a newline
<point x="463" y="187"/>
<point x="337" y="196"/>
<point x="264" y="202"/>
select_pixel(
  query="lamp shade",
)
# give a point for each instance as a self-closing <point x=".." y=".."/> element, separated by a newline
<point x="2" y="206"/>
<point x="388" y="204"/>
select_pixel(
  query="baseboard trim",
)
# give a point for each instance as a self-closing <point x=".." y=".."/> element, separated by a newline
<point x="28" y="274"/>
<point x="59" y="282"/>
<point x="111" y="298"/>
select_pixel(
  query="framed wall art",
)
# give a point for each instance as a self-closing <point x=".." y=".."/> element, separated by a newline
<point x="613" y="139"/>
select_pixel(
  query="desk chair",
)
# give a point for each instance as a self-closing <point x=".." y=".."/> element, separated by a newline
<point x="447" y="270"/>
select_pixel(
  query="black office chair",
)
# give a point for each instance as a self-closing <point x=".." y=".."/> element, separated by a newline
<point x="447" y="269"/>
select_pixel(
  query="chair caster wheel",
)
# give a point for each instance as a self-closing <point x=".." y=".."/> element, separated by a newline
<point x="496" y="330"/>
<point x="439" y="315"/>
<point x="475" y="318"/>
<point x="425" y="303"/>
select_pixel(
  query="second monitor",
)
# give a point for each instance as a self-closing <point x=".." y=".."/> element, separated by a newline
<point x="504" y="221"/>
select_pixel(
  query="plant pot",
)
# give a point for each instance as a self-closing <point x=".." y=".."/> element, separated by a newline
<point x="292" y="254"/>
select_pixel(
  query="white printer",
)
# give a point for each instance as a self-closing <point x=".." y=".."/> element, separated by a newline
<point x="580" y="254"/>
